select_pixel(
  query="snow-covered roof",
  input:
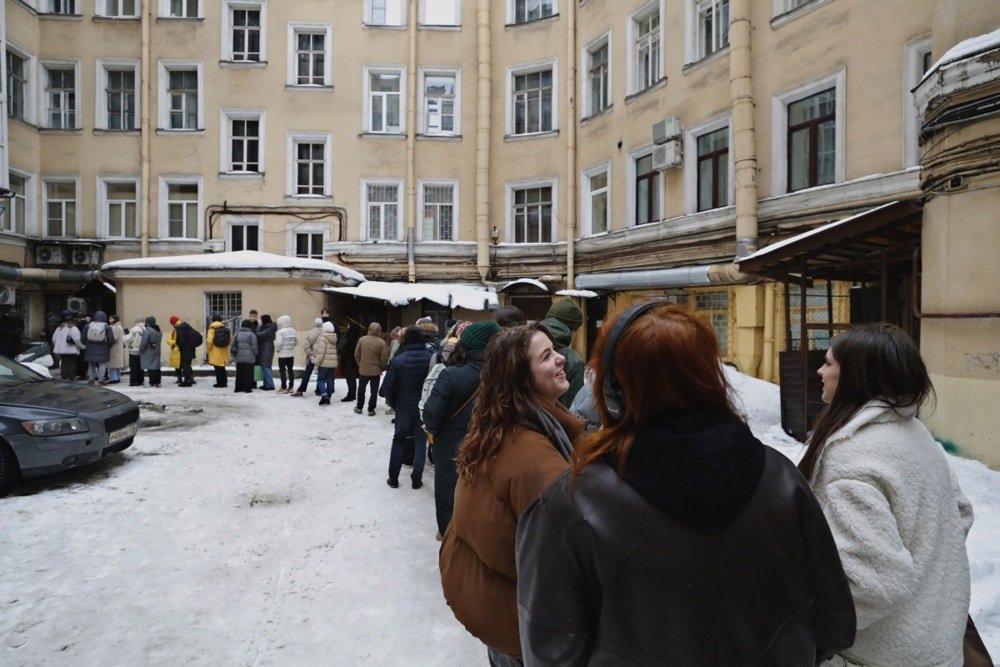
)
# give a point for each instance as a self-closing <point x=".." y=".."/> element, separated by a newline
<point x="526" y="281"/>
<point x="242" y="260"/>
<point x="966" y="48"/>
<point x="470" y="297"/>
<point x="579" y="293"/>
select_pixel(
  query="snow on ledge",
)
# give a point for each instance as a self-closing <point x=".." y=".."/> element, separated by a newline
<point x="469" y="297"/>
<point x="242" y="260"/>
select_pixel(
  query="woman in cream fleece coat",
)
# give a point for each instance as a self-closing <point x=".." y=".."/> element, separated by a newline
<point x="895" y="508"/>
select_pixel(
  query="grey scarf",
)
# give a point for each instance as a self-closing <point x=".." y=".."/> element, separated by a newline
<point x="543" y="422"/>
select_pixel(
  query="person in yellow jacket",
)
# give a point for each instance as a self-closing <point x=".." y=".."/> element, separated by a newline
<point x="218" y="355"/>
<point x="175" y="352"/>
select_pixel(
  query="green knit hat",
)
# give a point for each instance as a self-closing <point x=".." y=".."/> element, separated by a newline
<point x="478" y="335"/>
<point x="567" y="312"/>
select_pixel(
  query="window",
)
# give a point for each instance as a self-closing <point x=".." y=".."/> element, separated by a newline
<point x="532" y="214"/>
<point x="713" y="169"/>
<point x="182" y="204"/>
<point x="60" y="208"/>
<point x="311" y="156"/>
<point x="228" y="305"/>
<point x="647" y="191"/>
<point x="382" y="201"/>
<point x="532" y="101"/>
<point x="180" y="92"/>
<point x="385" y="92"/>
<point x="17" y="86"/>
<point x="645" y="28"/>
<point x="385" y="12"/>
<point x="309" y="245"/>
<point x="532" y="10"/>
<point x="916" y="61"/>
<point x="783" y="6"/>
<point x="438" y="203"/>
<point x="597" y="202"/>
<point x="119" y="8"/>
<point x="711" y="32"/>
<point x="117" y="99"/>
<point x="243" y="150"/>
<point x="242" y="37"/>
<point x="440" y="12"/>
<point x="180" y="9"/>
<point x="598" y="78"/>
<point x="120" y="208"/>
<point x="309" y="64"/>
<point x="13" y="220"/>
<point x="440" y="102"/>
<point x="812" y="141"/>
<point x="60" y="97"/>
<point x="244" y="236"/>
<point x="65" y="7"/>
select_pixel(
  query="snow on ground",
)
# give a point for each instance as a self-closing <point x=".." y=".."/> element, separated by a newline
<point x="257" y="529"/>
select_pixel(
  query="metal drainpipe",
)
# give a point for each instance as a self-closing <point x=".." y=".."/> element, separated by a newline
<point x="483" y="113"/>
<point x="744" y="139"/>
<point x="145" y="130"/>
<point x="411" y="141"/>
<point x="570" y="144"/>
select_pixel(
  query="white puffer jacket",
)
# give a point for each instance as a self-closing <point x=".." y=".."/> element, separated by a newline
<point x="286" y="338"/>
<point x="900" y="521"/>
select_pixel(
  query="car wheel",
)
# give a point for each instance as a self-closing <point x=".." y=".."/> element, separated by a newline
<point x="10" y="472"/>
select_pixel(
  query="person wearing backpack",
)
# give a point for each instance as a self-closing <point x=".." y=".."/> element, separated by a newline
<point x="218" y="339"/>
<point x="285" y="341"/>
<point x="99" y="339"/>
<point x="187" y="341"/>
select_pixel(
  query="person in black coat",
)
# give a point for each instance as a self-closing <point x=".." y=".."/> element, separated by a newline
<point x="348" y="364"/>
<point x="403" y="384"/>
<point x="187" y="342"/>
<point x="448" y="410"/>
<point x="265" y="351"/>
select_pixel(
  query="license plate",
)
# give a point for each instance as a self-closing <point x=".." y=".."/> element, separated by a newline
<point x="123" y="433"/>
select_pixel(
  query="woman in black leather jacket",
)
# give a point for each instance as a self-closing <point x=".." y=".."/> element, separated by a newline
<point x="678" y="538"/>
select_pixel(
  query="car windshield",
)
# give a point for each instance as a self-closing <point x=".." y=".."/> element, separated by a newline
<point x="12" y="373"/>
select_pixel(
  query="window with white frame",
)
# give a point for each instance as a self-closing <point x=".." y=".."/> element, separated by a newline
<point x="243" y="150"/>
<point x="385" y="12"/>
<point x="119" y="8"/>
<point x="308" y="241"/>
<point x="711" y="26"/>
<point x="119" y="207"/>
<point x="14" y="218"/>
<point x="117" y="101"/>
<point x="439" y="91"/>
<point x="647" y="190"/>
<point x="440" y="12"/>
<point x="18" y="88"/>
<point x="310" y="165"/>
<point x="385" y="100"/>
<point x="438" y="202"/>
<point x="382" y="210"/>
<point x="180" y="95"/>
<point x="783" y="6"/>
<point x="243" y="21"/>
<point x="916" y="61"/>
<point x="65" y="7"/>
<point x="60" y="96"/>
<point x="243" y="235"/>
<point x="524" y="11"/>
<point x="532" y="213"/>
<point x="60" y="207"/>
<point x="310" y="61"/>
<point x="645" y="31"/>
<point x="598" y="88"/>
<point x="180" y="9"/>
<point x="532" y="100"/>
<point x="597" y="199"/>
<point x="713" y="169"/>
<point x="181" y="204"/>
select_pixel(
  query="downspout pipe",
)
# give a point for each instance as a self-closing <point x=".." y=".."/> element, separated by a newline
<point x="571" y="184"/>
<point x="16" y="274"/>
<point x="744" y="135"/>
<point x="411" y="141"/>
<point x="484" y="101"/>
<point x="680" y="276"/>
<point x="145" y="130"/>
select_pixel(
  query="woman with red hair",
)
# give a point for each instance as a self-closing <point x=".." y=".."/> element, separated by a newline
<point x="677" y="538"/>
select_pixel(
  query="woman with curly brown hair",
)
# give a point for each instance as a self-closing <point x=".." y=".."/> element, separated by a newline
<point x="519" y="440"/>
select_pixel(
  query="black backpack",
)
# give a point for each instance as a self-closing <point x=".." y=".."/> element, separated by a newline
<point x="222" y="337"/>
<point x="196" y="338"/>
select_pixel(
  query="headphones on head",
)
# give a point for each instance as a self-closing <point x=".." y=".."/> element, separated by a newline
<point x="614" y="399"/>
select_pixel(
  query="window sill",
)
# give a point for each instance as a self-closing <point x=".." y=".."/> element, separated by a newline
<point x="533" y="135"/>
<point x="61" y="130"/>
<point x="180" y="19"/>
<point x="550" y="18"/>
<point x="704" y="61"/>
<point x="316" y="198"/>
<point x="103" y="131"/>
<point x="603" y="112"/>
<point x="243" y="64"/>
<point x="797" y="12"/>
<point x="242" y="175"/>
<point x="439" y="137"/>
<point x="383" y="26"/>
<point x="117" y="19"/>
<point x="307" y="88"/>
<point x="439" y="27"/>
<point x="383" y="135"/>
<point x="165" y="132"/>
<point x="60" y="17"/>
<point x="656" y="86"/>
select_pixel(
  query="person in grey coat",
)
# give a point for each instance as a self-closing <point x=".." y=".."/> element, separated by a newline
<point x="149" y="351"/>
<point x="243" y="352"/>
<point x="97" y="352"/>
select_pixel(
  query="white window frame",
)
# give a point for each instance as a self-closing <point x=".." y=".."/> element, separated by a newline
<point x="296" y="29"/>
<point x="457" y="4"/>
<point x="456" y="101"/>
<point x="630" y="181"/>
<point x="512" y="12"/>
<point x="101" y="94"/>
<point x="586" y="57"/>
<point x="695" y="48"/>
<point x="60" y="65"/>
<point x="422" y="185"/>
<point x="587" y="195"/>
<point x="370" y="6"/>
<point x="27" y="204"/>
<point x="226" y="118"/>
<point x="399" y="70"/>
<point x="165" y="10"/>
<point x="30" y="81"/>
<point x="291" y="170"/>
<point x="913" y="56"/>
<point x="165" y="67"/>
<point x="401" y="216"/>
<point x="691" y="136"/>
<point x="230" y="221"/>
<point x="779" y="128"/>
<point x="103" y="202"/>
<point x="791" y="7"/>
<point x="164" y="211"/>
<point x="101" y="9"/>
<point x="632" y="64"/>
<point x="56" y="6"/>
<point x="75" y="222"/>
<point x="532" y="68"/>
<point x="513" y="186"/>
<point x="228" y="8"/>
<point x="292" y="230"/>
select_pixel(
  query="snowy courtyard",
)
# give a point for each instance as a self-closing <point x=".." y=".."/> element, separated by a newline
<point x="257" y="529"/>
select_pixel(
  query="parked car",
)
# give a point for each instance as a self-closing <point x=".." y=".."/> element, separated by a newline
<point x="48" y="425"/>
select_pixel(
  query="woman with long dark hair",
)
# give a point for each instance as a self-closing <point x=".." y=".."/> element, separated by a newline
<point x="677" y="538"/>
<point x="519" y="440"/>
<point x="895" y="508"/>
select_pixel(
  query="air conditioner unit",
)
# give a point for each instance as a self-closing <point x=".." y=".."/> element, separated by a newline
<point x="76" y="304"/>
<point x="668" y="155"/>
<point x="7" y="295"/>
<point x="86" y="256"/>
<point x="49" y="255"/>
<point x="666" y="129"/>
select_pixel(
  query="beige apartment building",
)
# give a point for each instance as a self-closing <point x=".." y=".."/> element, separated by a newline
<point x="632" y="149"/>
